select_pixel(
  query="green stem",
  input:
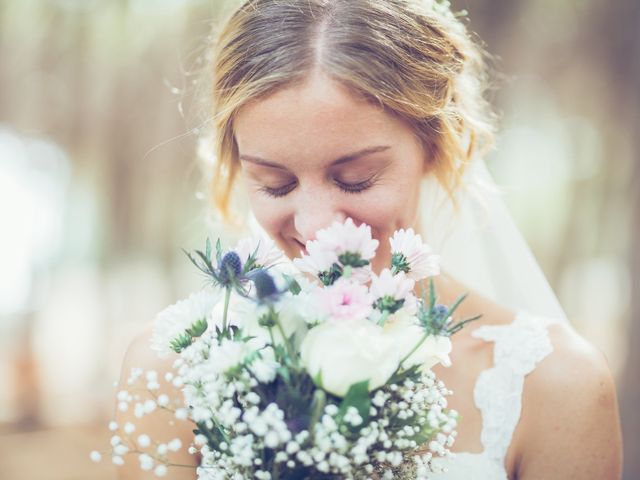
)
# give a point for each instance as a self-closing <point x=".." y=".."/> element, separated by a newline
<point x="227" y="296"/>
<point x="286" y="341"/>
<point x="274" y="471"/>
<point x="273" y="340"/>
<point x="319" y="402"/>
<point x="383" y="317"/>
<point x="424" y="337"/>
<point x="455" y="328"/>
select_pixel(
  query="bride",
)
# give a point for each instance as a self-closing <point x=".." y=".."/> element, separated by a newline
<point x="328" y="109"/>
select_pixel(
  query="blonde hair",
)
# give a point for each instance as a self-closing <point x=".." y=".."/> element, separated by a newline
<point x="414" y="58"/>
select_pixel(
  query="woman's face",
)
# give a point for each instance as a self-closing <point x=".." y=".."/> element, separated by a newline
<point x="315" y="153"/>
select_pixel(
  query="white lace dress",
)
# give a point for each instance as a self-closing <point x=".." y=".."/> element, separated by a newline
<point x="519" y="346"/>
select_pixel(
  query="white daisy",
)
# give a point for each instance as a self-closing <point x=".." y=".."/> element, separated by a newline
<point x="347" y="237"/>
<point x="411" y="255"/>
<point x="227" y="355"/>
<point x="318" y="259"/>
<point x="174" y="320"/>
<point x="397" y="286"/>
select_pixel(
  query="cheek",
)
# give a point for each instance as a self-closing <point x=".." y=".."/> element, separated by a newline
<point x="385" y="210"/>
<point x="271" y="215"/>
<point x="268" y="213"/>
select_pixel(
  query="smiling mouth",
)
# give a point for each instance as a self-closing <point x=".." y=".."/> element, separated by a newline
<point x="301" y="245"/>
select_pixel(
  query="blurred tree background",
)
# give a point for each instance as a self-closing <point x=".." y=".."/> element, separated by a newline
<point x="100" y="188"/>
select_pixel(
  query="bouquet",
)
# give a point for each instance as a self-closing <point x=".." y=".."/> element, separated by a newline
<point x="319" y="368"/>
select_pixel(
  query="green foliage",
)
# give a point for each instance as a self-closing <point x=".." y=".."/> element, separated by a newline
<point x="354" y="260"/>
<point x="438" y="319"/>
<point x="218" y="251"/>
<point x="268" y="319"/>
<point x="399" y="263"/>
<point x="232" y="332"/>
<point x="227" y="272"/>
<point x="329" y="277"/>
<point x="181" y="342"/>
<point x="357" y="396"/>
<point x="292" y="284"/>
<point x="412" y="373"/>
<point x="208" y="248"/>
<point x="317" y="379"/>
<point x="215" y="436"/>
<point x="198" y="327"/>
<point x="251" y="263"/>
<point x="388" y="304"/>
<point x="317" y="407"/>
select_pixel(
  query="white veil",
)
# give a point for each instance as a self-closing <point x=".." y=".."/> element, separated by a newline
<point x="481" y="246"/>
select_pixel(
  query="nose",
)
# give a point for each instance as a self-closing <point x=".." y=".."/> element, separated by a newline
<point x="314" y="212"/>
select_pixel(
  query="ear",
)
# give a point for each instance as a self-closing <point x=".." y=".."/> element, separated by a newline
<point x="429" y="162"/>
<point x="429" y="156"/>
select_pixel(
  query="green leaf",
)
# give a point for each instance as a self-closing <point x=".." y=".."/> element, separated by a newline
<point x="206" y="261"/>
<point x="432" y="295"/>
<point x="317" y="407"/>
<point x="208" y="248"/>
<point x="215" y="436"/>
<point x="357" y="396"/>
<point x="455" y="328"/>
<point x="218" y="251"/>
<point x="251" y="263"/>
<point x="284" y="373"/>
<point x="292" y="284"/>
<point x="457" y="303"/>
<point x="198" y="327"/>
<point x="317" y="379"/>
<point x="412" y="373"/>
<point x="195" y="262"/>
<point x="180" y="342"/>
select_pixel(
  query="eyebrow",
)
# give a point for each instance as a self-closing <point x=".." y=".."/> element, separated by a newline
<point x="343" y="159"/>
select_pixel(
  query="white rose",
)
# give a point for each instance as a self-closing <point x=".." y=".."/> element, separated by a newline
<point x="406" y="334"/>
<point x="349" y="352"/>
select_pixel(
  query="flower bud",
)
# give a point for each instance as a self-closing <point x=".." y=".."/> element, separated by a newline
<point x="265" y="286"/>
<point x="230" y="267"/>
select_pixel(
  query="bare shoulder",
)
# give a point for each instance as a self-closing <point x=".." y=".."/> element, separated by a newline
<point x="570" y="425"/>
<point x="158" y="423"/>
<point x="140" y="355"/>
<point x="574" y="367"/>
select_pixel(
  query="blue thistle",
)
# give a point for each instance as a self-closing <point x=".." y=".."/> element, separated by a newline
<point x="440" y="313"/>
<point x="230" y="268"/>
<point x="265" y="286"/>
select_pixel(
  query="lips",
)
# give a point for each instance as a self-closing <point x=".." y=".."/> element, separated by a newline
<point x="301" y="246"/>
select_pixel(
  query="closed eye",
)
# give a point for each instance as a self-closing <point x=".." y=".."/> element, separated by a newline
<point x="278" y="191"/>
<point x="355" y="187"/>
<point x="345" y="187"/>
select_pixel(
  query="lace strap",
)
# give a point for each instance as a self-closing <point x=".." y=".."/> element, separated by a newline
<point x="519" y="346"/>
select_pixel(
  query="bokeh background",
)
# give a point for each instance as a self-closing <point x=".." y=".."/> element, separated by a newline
<point x="100" y="189"/>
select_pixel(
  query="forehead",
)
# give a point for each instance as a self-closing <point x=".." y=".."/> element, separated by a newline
<point x="318" y="118"/>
